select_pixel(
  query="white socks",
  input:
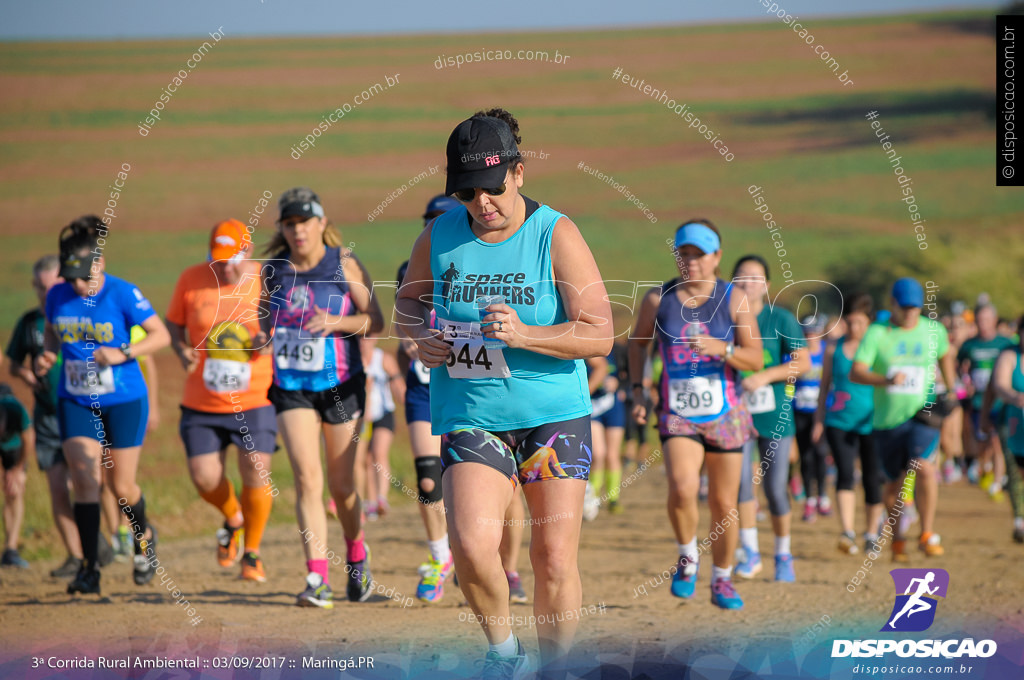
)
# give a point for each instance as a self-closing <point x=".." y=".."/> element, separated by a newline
<point x="439" y="550"/>
<point x="688" y="550"/>
<point x="720" y="572"/>
<point x="782" y="545"/>
<point x="748" y="539"/>
<point x="506" y="648"/>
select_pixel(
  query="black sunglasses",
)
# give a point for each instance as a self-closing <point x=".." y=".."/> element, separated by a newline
<point x="467" y="195"/>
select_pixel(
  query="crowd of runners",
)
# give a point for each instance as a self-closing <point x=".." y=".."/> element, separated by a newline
<point x="514" y="392"/>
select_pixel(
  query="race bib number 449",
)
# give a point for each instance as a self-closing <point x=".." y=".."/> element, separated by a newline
<point x="469" y="357"/>
<point x="295" y="353"/>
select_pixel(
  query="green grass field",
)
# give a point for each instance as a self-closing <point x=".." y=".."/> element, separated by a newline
<point x="69" y="118"/>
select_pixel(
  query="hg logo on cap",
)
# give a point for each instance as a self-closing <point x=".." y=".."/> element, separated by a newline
<point x="914" y="610"/>
<point x="492" y="160"/>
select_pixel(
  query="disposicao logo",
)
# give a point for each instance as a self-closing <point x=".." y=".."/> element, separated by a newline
<point x="917" y="593"/>
<point x="914" y="610"/>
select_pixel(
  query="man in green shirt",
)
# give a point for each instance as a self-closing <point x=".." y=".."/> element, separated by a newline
<point x="25" y="345"/>
<point x="976" y="358"/>
<point x="17" y="444"/>
<point x="898" y="359"/>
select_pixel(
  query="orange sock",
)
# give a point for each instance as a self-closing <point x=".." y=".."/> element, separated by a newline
<point x="256" y="504"/>
<point x="223" y="498"/>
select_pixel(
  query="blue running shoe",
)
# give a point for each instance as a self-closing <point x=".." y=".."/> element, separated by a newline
<point x="784" y="569"/>
<point x="431" y="587"/>
<point x="684" y="581"/>
<point x="723" y="595"/>
<point x="506" y="667"/>
<point x="750" y="566"/>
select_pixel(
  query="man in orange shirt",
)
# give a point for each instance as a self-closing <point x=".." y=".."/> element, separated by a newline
<point x="213" y="318"/>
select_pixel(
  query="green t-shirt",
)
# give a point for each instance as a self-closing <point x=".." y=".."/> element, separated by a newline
<point x="27" y="342"/>
<point x="781" y="334"/>
<point x="888" y="349"/>
<point x="981" y="356"/>
<point x="17" y="422"/>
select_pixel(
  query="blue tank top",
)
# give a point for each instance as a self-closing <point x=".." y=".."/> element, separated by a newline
<point x="851" y="405"/>
<point x="697" y="387"/>
<point x="102" y="320"/>
<point x="808" y="385"/>
<point x="538" y="388"/>
<point x="1014" y="414"/>
<point x="304" y="360"/>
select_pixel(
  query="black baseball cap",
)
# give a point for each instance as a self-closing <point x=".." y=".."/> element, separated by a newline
<point x="77" y="266"/>
<point x="479" y="151"/>
<point x="304" y="209"/>
<point x="299" y="202"/>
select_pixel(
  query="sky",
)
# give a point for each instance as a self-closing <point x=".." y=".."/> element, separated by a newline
<point x="128" y="19"/>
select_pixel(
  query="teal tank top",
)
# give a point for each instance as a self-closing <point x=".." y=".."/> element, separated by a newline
<point x="851" y="404"/>
<point x="1015" y="415"/>
<point x="499" y="389"/>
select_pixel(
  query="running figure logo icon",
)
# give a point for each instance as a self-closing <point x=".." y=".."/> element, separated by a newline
<point x="449" y="277"/>
<point x="914" y="609"/>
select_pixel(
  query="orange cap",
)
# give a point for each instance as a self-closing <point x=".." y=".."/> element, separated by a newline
<point x="227" y="239"/>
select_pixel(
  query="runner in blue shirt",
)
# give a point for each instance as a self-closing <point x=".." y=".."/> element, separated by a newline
<point x="102" y="403"/>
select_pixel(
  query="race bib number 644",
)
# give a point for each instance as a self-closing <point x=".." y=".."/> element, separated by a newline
<point x="469" y="357"/>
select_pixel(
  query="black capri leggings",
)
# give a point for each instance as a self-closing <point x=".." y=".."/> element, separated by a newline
<point x="813" y="457"/>
<point x="846" y="446"/>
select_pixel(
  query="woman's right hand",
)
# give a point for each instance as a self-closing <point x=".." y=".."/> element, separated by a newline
<point x="44" y="362"/>
<point x="640" y="413"/>
<point x="262" y="344"/>
<point x="410" y="349"/>
<point x="189" y="358"/>
<point x="433" y="350"/>
<point x="817" y="431"/>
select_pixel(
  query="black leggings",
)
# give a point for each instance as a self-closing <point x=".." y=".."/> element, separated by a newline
<point x="813" y="466"/>
<point x="846" y="446"/>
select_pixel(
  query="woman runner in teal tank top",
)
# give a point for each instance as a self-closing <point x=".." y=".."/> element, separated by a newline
<point x="1007" y="384"/>
<point x="844" y="417"/>
<point x="516" y="411"/>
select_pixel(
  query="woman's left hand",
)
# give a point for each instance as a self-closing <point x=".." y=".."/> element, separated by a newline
<point x="506" y="326"/>
<point x="752" y="383"/>
<point x="319" y="321"/>
<point x="109" y="356"/>
<point x="708" y="346"/>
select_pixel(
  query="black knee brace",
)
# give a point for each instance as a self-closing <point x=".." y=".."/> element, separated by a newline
<point x="429" y="467"/>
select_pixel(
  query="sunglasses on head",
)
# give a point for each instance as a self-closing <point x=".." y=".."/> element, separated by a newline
<point x="467" y="195"/>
